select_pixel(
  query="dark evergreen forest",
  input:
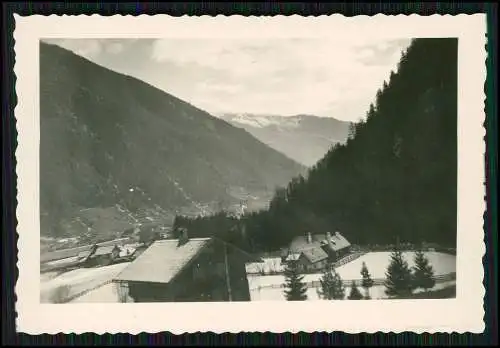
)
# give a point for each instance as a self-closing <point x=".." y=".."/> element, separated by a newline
<point x="394" y="179"/>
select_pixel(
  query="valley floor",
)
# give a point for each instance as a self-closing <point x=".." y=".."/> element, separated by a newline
<point x="94" y="284"/>
<point x="270" y="287"/>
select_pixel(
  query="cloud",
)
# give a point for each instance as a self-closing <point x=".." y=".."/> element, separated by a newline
<point x="94" y="49"/>
<point x="88" y="48"/>
<point x="286" y="76"/>
<point x="337" y="78"/>
<point x="115" y="48"/>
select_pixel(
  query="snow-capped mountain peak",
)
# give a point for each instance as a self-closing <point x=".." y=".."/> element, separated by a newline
<point x="303" y="138"/>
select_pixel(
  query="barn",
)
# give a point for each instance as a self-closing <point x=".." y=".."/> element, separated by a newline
<point x="186" y="270"/>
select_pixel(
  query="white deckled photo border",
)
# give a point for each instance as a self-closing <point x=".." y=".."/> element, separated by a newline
<point x="462" y="314"/>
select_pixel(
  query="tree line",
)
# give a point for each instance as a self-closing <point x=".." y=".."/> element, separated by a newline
<point x="395" y="177"/>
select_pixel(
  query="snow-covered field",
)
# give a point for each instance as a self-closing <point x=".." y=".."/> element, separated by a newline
<point x="104" y="294"/>
<point x="82" y="279"/>
<point x="77" y="280"/>
<point x="376" y="292"/>
<point x="376" y="262"/>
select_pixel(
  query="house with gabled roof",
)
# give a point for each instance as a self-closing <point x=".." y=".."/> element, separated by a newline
<point x="105" y="255"/>
<point x="99" y="255"/>
<point x="312" y="259"/>
<point x="187" y="270"/>
<point x="336" y="245"/>
<point x="313" y="252"/>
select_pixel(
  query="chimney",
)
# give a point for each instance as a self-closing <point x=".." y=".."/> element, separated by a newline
<point x="183" y="237"/>
<point x="329" y="240"/>
<point x="309" y="238"/>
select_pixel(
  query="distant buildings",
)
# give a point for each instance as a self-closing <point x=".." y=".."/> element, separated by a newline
<point x="184" y="270"/>
<point x="314" y="252"/>
<point x="105" y="255"/>
<point x="74" y="252"/>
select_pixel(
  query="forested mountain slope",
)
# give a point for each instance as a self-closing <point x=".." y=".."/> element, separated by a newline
<point x="112" y="143"/>
<point x="394" y="179"/>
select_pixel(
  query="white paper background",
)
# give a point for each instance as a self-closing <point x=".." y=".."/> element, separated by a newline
<point x="463" y="314"/>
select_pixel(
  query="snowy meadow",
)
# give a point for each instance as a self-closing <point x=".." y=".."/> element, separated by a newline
<point x="271" y="287"/>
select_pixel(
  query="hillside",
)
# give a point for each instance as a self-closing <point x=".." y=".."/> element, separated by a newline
<point x="114" y="145"/>
<point x="396" y="176"/>
<point x="303" y="138"/>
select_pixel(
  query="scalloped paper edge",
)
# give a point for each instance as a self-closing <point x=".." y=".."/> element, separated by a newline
<point x="460" y="315"/>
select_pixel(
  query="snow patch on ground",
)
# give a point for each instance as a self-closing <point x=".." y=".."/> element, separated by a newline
<point x="104" y="294"/>
<point x="261" y="121"/>
<point x="268" y="265"/>
<point x="376" y="262"/>
<point x="376" y="292"/>
<point x="78" y="280"/>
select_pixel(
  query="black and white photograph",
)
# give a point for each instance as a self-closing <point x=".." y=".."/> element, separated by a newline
<point x="249" y="169"/>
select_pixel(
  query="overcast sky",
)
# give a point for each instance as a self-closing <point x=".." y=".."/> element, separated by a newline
<point x="275" y="76"/>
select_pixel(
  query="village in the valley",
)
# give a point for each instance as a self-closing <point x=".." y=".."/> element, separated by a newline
<point x="164" y="269"/>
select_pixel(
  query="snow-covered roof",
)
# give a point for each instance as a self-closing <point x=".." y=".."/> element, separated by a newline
<point x="301" y="243"/>
<point x="105" y="250"/>
<point x="338" y="242"/>
<point x="315" y="255"/>
<point x="162" y="261"/>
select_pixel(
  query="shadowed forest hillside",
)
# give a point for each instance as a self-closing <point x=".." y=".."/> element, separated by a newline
<point x="394" y="179"/>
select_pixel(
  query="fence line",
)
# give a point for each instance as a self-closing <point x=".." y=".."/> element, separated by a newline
<point x="279" y="269"/>
<point x="348" y="258"/>
<point x="376" y="282"/>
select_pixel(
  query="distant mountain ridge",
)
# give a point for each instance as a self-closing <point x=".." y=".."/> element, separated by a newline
<point x="303" y="138"/>
<point x="395" y="179"/>
<point x="115" y="145"/>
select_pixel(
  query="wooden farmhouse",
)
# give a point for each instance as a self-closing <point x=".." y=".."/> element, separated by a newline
<point x="186" y="270"/>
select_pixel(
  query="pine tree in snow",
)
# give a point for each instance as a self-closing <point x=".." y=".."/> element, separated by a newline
<point x="295" y="289"/>
<point x="332" y="287"/>
<point x="423" y="273"/>
<point x="399" y="282"/>
<point x="355" y="294"/>
<point x="367" y="282"/>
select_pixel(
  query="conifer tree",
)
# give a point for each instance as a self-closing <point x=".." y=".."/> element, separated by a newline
<point x="367" y="282"/>
<point x="423" y="273"/>
<point x="332" y="287"/>
<point x="295" y="289"/>
<point x="338" y="289"/>
<point x="399" y="282"/>
<point x="355" y="294"/>
<point x="327" y="285"/>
